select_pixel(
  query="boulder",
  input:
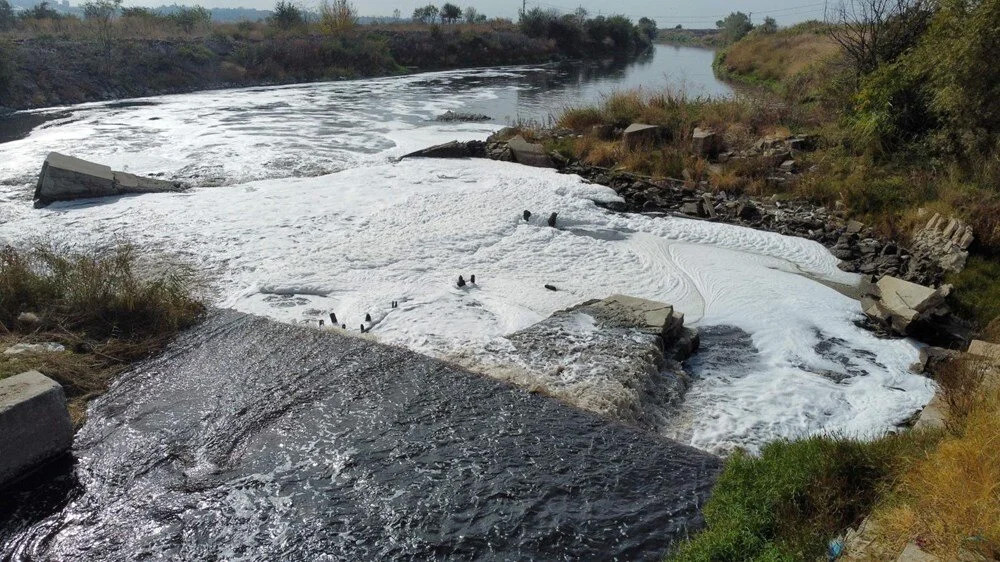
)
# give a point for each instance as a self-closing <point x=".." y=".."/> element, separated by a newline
<point x="529" y="154"/>
<point x="705" y="143"/>
<point x="65" y="178"/>
<point x="639" y="134"/>
<point x="900" y="305"/>
<point x="603" y="132"/>
<point x="34" y="424"/>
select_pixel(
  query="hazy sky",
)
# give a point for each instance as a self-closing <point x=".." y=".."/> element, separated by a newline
<point x="667" y="13"/>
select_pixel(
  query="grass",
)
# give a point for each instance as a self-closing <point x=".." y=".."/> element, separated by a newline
<point x="787" y="502"/>
<point x="949" y="499"/>
<point x="98" y="305"/>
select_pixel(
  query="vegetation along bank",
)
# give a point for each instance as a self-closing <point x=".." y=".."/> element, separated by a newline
<point x="49" y="59"/>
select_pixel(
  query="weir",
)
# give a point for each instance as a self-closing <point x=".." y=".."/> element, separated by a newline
<point x="252" y="439"/>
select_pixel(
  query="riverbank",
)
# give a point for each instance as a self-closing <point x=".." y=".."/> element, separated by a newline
<point x="80" y="65"/>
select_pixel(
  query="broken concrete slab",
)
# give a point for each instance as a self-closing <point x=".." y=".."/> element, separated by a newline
<point x="34" y="424"/>
<point x="65" y="178"/>
<point x="638" y="134"/>
<point x="45" y="347"/>
<point x="618" y="357"/>
<point x="705" y="143"/>
<point x="529" y="154"/>
<point x="934" y="415"/>
<point x="452" y="149"/>
<point x="899" y="304"/>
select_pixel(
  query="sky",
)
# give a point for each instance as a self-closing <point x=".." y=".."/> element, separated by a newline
<point x="667" y="13"/>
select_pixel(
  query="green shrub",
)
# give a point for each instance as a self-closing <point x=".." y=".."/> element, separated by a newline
<point x="977" y="290"/>
<point x="788" y="502"/>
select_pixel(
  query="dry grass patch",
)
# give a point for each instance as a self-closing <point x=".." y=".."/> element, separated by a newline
<point x="104" y="308"/>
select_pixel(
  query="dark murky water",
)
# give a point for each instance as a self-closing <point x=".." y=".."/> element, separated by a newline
<point x="252" y="440"/>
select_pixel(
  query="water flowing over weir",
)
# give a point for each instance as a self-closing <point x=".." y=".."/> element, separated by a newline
<point x="258" y="440"/>
<point x="251" y="439"/>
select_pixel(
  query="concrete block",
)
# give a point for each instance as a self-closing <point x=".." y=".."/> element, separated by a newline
<point x="985" y="349"/>
<point x="638" y="134"/>
<point x="34" y="423"/>
<point x="65" y="177"/>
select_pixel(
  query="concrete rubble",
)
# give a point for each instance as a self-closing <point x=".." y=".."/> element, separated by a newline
<point x="65" y="178"/>
<point x="34" y="424"/>
<point x="902" y="306"/>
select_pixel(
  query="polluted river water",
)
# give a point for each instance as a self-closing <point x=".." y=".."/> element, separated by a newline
<point x="299" y="209"/>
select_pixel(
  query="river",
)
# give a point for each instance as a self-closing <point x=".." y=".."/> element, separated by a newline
<point x="299" y="209"/>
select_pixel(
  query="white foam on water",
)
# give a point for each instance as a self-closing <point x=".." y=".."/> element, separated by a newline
<point x="352" y="242"/>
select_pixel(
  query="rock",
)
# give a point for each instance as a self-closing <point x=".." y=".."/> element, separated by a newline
<point x="899" y="304"/>
<point x="984" y="349"/>
<point x="46" y="347"/>
<point x="788" y="166"/>
<point x="453" y="149"/>
<point x="854" y="227"/>
<point x="603" y="132"/>
<point x="705" y="143"/>
<point x="34" y="424"/>
<point x="931" y="358"/>
<point x="944" y="242"/>
<point x="638" y="134"/>
<point x="748" y="211"/>
<point x="28" y="320"/>
<point x="692" y="208"/>
<point x="551" y="287"/>
<point x="529" y="154"/>
<point x="934" y="415"/>
<point x="65" y="178"/>
<point x="708" y="206"/>
<point x="451" y="116"/>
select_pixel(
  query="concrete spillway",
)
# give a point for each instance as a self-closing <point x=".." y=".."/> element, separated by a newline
<point x="252" y="439"/>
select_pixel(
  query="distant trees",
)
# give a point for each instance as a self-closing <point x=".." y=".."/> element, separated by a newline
<point x="189" y="19"/>
<point x="337" y="15"/>
<point x="734" y="27"/>
<point x="6" y="16"/>
<point x="575" y="34"/>
<point x="427" y="14"/>
<point x="450" y="13"/>
<point x="101" y="13"/>
<point x="41" y="11"/>
<point x="286" y="15"/>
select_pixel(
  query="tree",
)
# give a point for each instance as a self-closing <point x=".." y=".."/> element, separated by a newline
<point x="396" y="14"/>
<point x="472" y="15"/>
<point x="102" y="12"/>
<point x="450" y="13"/>
<point x="188" y="19"/>
<point x="872" y="32"/>
<point x="647" y="27"/>
<point x="6" y="16"/>
<point x="286" y="15"/>
<point x="337" y="15"/>
<point x="769" y="26"/>
<point x="427" y="14"/>
<point x="735" y="26"/>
